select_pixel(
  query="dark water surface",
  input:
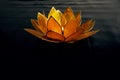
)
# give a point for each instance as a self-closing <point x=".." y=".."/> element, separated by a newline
<point x="102" y="47"/>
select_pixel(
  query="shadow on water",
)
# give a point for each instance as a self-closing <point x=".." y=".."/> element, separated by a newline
<point x="61" y="49"/>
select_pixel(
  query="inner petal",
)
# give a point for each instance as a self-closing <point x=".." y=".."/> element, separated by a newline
<point x="69" y="14"/>
<point x="53" y="25"/>
<point x="70" y="28"/>
<point x="56" y="14"/>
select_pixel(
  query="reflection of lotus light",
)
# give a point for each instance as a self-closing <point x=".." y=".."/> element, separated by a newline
<point x="61" y="27"/>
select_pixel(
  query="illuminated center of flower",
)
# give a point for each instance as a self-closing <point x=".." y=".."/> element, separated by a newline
<point x="62" y="29"/>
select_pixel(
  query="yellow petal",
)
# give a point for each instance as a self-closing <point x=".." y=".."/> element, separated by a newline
<point x="54" y="26"/>
<point x="55" y="36"/>
<point x="39" y="35"/>
<point x="56" y="14"/>
<point x="86" y="35"/>
<point x="70" y="28"/>
<point x="42" y="21"/>
<point x="69" y="14"/>
<point x="87" y="26"/>
<point x="73" y="36"/>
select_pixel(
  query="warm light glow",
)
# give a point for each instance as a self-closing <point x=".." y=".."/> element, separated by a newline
<point x="61" y="27"/>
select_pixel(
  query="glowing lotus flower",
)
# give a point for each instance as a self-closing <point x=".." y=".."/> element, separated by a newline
<point x="61" y="27"/>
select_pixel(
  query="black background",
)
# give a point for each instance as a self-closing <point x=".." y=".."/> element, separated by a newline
<point x="19" y="47"/>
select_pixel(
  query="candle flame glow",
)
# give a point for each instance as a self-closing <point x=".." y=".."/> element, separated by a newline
<point x="62" y="28"/>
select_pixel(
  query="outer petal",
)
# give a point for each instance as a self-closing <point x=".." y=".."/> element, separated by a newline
<point x="34" y="32"/>
<point x="35" y="25"/>
<point x="85" y="35"/>
<point x="39" y="35"/>
<point x="70" y="28"/>
<point x="78" y="18"/>
<point x="54" y="26"/>
<point x="56" y="14"/>
<point x="69" y="14"/>
<point x="42" y="21"/>
<point x="87" y="26"/>
<point x="55" y="36"/>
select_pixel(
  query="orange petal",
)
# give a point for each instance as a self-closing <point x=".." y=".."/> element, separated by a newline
<point x="55" y="36"/>
<point x="42" y="21"/>
<point x="54" y="26"/>
<point x="69" y="14"/>
<point x="35" y="25"/>
<point x="63" y="20"/>
<point x="78" y="18"/>
<point x="70" y="28"/>
<point x="85" y="35"/>
<point x="34" y="32"/>
<point x="39" y="35"/>
<point x="73" y="36"/>
<point x="87" y="26"/>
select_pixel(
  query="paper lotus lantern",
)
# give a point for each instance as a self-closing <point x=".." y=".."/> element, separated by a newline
<point x="61" y="27"/>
